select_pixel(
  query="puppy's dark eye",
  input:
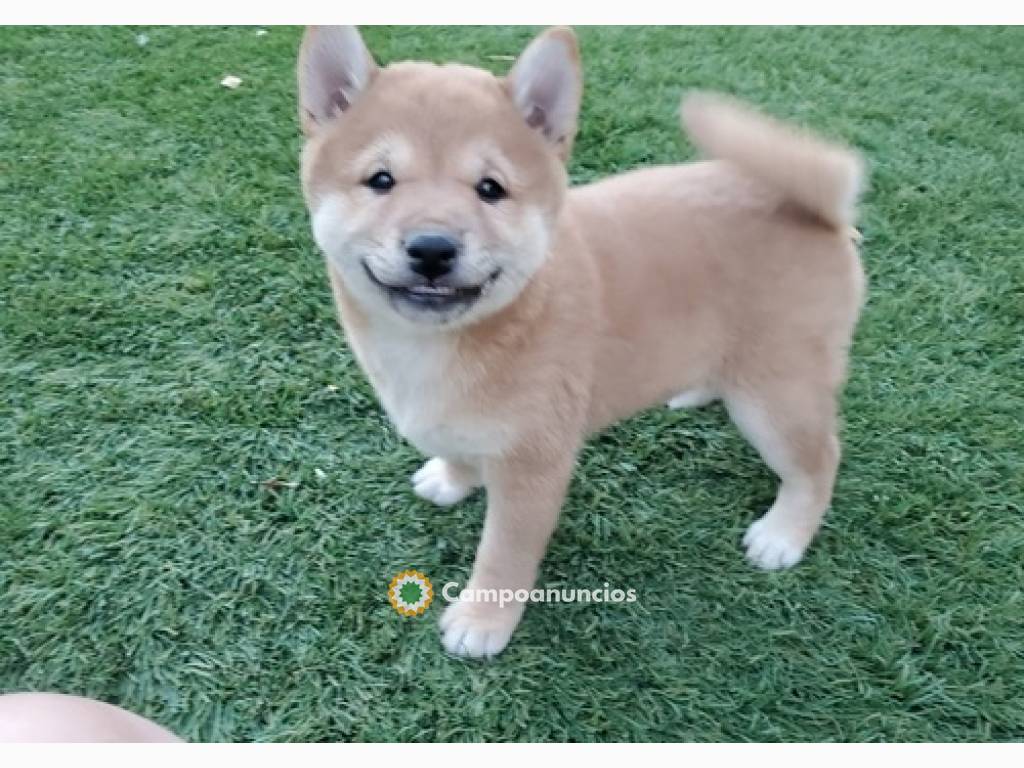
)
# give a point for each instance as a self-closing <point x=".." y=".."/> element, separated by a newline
<point x="381" y="181"/>
<point x="490" y="191"/>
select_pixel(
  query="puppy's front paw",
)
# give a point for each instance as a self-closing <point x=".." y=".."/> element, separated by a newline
<point x="436" y="481"/>
<point x="772" y="545"/>
<point x="478" y="630"/>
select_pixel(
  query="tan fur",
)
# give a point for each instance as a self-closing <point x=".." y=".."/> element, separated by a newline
<point x="734" y="278"/>
<point x="823" y="178"/>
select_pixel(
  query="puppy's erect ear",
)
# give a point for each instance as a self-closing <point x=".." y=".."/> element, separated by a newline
<point x="334" y="69"/>
<point x="546" y="85"/>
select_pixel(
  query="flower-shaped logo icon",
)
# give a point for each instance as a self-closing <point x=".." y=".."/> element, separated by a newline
<point x="410" y="593"/>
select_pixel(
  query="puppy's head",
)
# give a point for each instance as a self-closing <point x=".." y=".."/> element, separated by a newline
<point x="434" y="190"/>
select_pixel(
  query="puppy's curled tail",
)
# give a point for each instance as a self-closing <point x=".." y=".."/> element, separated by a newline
<point x="824" y="179"/>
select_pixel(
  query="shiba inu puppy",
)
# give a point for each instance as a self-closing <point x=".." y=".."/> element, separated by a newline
<point x="502" y="317"/>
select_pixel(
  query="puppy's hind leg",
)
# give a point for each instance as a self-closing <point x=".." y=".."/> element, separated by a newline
<point x="446" y="481"/>
<point x="793" y="427"/>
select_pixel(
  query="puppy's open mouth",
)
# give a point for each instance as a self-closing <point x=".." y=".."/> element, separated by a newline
<point x="434" y="296"/>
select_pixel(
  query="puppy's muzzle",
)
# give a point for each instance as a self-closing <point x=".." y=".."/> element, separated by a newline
<point x="432" y="254"/>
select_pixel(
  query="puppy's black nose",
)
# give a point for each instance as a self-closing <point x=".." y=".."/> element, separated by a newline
<point x="431" y="254"/>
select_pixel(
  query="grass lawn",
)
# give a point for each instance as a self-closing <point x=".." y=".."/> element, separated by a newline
<point x="168" y="344"/>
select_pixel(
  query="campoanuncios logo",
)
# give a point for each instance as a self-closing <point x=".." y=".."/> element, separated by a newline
<point x="410" y="593"/>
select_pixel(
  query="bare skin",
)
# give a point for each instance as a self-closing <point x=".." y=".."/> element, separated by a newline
<point x="55" y="717"/>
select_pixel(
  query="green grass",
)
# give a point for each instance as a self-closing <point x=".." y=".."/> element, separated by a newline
<point x="168" y="342"/>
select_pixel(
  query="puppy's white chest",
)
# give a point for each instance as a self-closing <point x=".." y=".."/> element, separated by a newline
<point x="418" y="386"/>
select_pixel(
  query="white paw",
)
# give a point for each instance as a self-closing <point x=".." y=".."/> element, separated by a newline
<point x="772" y="546"/>
<point x="478" y="630"/>
<point x="434" y="482"/>
<point x="691" y="398"/>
